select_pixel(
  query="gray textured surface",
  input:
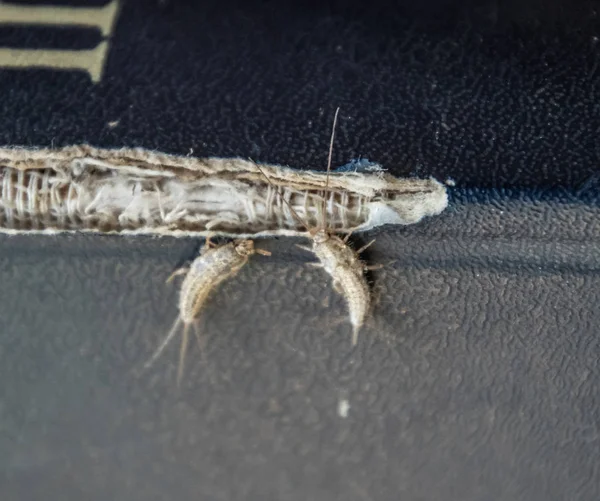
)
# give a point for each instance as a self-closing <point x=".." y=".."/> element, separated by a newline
<point x="477" y="377"/>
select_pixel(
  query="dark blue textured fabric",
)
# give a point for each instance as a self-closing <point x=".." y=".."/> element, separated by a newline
<point x="490" y="95"/>
<point x="477" y="375"/>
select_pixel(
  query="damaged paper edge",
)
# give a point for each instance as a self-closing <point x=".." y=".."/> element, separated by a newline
<point x="133" y="192"/>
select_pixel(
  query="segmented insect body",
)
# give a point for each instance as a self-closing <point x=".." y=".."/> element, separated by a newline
<point x="214" y="265"/>
<point x="339" y="260"/>
<point x="347" y="271"/>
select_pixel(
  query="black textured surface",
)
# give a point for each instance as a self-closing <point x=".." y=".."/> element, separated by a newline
<point x="476" y="378"/>
<point x="492" y="94"/>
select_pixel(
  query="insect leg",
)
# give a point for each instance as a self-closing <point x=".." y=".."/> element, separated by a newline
<point x="365" y="247"/>
<point x="176" y="273"/>
<point x="209" y="244"/>
<point x="374" y="267"/>
<point x="304" y="247"/>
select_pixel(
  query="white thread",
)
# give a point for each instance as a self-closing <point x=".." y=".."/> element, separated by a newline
<point x="6" y="204"/>
<point x="20" y="191"/>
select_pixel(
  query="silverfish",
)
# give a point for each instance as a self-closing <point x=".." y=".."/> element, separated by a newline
<point x="215" y="264"/>
<point x="338" y="259"/>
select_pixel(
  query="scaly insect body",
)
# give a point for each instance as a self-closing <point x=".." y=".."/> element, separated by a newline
<point x="347" y="271"/>
<point x="214" y="265"/>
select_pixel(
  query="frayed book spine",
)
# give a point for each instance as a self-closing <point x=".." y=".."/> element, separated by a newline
<point x="140" y="192"/>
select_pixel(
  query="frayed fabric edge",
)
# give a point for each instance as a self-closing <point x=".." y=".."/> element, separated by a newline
<point x="135" y="191"/>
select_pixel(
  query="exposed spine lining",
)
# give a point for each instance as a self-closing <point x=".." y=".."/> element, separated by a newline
<point x="136" y="191"/>
<point x="33" y="199"/>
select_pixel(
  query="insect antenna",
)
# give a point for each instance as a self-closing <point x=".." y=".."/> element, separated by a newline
<point x="329" y="158"/>
<point x="294" y="213"/>
<point x="164" y="344"/>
